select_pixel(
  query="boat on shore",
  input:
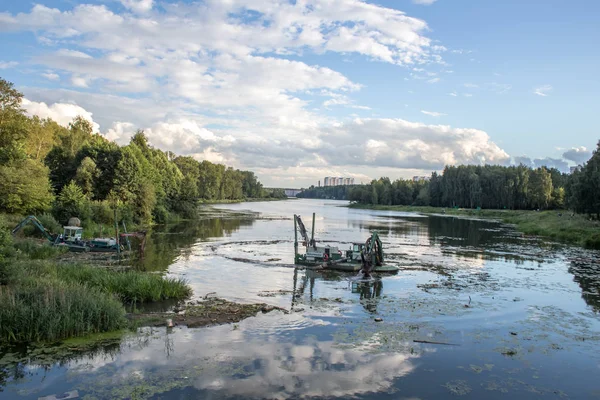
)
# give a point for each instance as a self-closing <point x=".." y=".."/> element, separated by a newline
<point x="367" y="257"/>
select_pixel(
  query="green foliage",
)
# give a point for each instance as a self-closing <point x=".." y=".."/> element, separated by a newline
<point x="470" y="186"/>
<point x="71" y="202"/>
<point x="44" y="310"/>
<point x="324" y="192"/>
<point x="85" y="176"/>
<point x="24" y="187"/>
<point x="584" y="190"/>
<point x="34" y="250"/>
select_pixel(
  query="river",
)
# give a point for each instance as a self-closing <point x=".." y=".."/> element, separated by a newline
<point x="509" y="316"/>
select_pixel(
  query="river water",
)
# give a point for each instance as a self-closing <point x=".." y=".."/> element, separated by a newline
<point x="509" y="316"/>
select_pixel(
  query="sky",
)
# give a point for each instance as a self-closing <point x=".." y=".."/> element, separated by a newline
<point x="296" y="90"/>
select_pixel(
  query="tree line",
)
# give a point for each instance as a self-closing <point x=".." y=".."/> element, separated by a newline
<point x="489" y="186"/>
<point x="70" y="171"/>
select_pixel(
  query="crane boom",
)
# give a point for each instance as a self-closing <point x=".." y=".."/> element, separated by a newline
<point x="36" y="222"/>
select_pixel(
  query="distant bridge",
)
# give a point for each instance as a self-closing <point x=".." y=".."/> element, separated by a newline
<point x="290" y="192"/>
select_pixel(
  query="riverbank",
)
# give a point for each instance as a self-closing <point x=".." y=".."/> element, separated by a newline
<point x="557" y="225"/>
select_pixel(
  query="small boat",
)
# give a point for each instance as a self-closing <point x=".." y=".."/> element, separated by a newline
<point x="367" y="256"/>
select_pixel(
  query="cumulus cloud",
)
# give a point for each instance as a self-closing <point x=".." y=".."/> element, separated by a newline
<point x="433" y="113"/>
<point x="223" y="80"/>
<point x="402" y="144"/>
<point x="8" y="64"/>
<point x="579" y="155"/>
<point x="51" y="76"/>
<point x="549" y="162"/>
<point x="140" y="6"/>
<point x="524" y="160"/>
<point x="63" y="113"/>
<point x="543" y="90"/>
<point x="424" y="2"/>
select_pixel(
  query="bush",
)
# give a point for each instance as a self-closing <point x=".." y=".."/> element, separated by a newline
<point x="50" y="223"/>
<point x="102" y="213"/>
<point x="71" y="203"/>
<point x="45" y="310"/>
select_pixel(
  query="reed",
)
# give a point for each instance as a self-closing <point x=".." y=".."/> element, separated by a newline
<point x="47" y="310"/>
<point x="128" y="286"/>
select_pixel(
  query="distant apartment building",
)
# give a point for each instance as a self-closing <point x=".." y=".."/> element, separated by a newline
<point x="337" y="181"/>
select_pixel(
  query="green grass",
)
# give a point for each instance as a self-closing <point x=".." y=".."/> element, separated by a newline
<point x="577" y="229"/>
<point x="47" y="310"/>
<point x="129" y="286"/>
<point x="36" y="250"/>
<point x="45" y="301"/>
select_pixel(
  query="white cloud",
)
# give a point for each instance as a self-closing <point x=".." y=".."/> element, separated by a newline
<point x="467" y="95"/>
<point x="471" y="85"/>
<point x="8" y="64"/>
<point x="433" y="113"/>
<point x="139" y="6"/>
<point x="453" y="94"/>
<point x="543" y="90"/>
<point x="579" y="155"/>
<point x="204" y="79"/>
<point x="51" y="76"/>
<point x="78" y="81"/>
<point x="63" y="113"/>
<point x="424" y="2"/>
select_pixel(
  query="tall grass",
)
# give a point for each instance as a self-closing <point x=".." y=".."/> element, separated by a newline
<point x="129" y="286"/>
<point x="46" y="310"/>
<point x="37" y="251"/>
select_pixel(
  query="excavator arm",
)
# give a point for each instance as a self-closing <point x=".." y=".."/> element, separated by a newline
<point x="36" y="222"/>
<point x="372" y="254"/>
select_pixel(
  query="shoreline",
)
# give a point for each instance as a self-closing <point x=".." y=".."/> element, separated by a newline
<point x="569" y="228"/>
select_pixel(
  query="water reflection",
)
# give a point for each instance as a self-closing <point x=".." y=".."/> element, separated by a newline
<point x="587" y="275"/>
<point x="167" y="243"/>
<point x="446" y="262"/>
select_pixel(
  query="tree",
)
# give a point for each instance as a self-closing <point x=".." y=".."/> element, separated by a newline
<point x="540" y="188"/>
<point x="71" y="202"/>
<point x="86" y="175"/>
<point x="586" y="186"/>
<point x="24" y="188"/>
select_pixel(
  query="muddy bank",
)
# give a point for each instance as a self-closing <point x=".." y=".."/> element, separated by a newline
<point x="212" y="311"/>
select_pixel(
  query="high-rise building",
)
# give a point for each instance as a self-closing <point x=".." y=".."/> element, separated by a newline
<point x="339" y="181"/>
<point x="319" y="183"/>
<point x="326" y="181"/>
<point x="352" y="181"/>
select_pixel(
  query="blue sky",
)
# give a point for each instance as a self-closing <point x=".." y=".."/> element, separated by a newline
<point x="301" y="90"/>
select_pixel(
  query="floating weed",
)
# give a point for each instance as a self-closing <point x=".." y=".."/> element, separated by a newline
<point x="458" y="387"/>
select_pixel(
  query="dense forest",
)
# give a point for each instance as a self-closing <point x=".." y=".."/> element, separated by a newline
<point x="489" y="186"/>
<point x="70" y="171"/>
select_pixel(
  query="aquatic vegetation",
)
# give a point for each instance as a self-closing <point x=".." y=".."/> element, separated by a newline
<point x="45" y="301"/>
<point x="46" y="310"/>
<point x="129" y="286"/>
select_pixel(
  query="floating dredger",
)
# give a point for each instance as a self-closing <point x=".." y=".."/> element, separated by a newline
<point x="361" y="256"/>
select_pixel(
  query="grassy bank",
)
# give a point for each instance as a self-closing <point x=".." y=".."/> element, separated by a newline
<point x="576" y="229"/>
<point x="45" y="300"/>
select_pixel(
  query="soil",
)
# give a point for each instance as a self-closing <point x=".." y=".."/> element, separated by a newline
<point x="213" y="311"/>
